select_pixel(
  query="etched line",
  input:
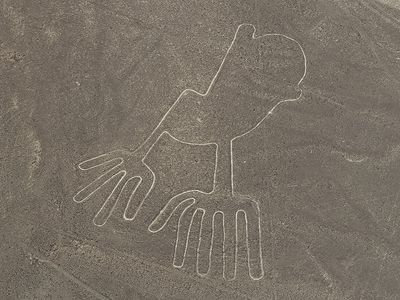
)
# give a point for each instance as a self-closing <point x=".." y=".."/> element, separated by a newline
<point x="223" y="198"/>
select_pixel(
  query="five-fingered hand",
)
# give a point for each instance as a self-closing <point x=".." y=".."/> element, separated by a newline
<point x="130" y="178"/>
<point x="220" y="213"/>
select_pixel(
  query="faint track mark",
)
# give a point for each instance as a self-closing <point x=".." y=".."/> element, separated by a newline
<point x="348" y="10"/>
<point x="68" y="275"/>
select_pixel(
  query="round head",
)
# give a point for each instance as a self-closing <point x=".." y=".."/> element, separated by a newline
<point x="273" y="61"/>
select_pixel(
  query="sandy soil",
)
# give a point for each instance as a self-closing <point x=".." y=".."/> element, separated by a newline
<point x="82" y="78"/>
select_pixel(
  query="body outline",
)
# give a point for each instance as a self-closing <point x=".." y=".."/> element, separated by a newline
<point x="184" y="92"/>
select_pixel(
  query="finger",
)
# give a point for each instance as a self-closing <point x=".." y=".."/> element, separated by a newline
<point x="182" y="235"/>
<point x="229" y="227"/>
<point x="143" y="188"/>
<point x="123" y="199"/>
<point x="104" y="212"/>
<point x="193" y="242"/>
<point x="165" y="214"/>
<point x="241" y="247"/>
<point x="203" y="251"/>
<point x="217" y="245"/>
<point x="254" y="249"/>
<point x="100" y="160"/>
<point x="95" y="185"/>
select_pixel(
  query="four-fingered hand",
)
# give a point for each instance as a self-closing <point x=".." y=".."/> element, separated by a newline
<point x="130" y="178"/>
<point x="207" y="208"/>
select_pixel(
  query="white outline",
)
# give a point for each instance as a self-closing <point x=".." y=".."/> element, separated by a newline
<point x="224" y="250"/>
<point x="188" y="232"/>
<point x="210" y="250"/>
<point x="199" y="243"/>
<point x="108" y="198"/>
<point x="130" y="198"/>
<point x="98" y="178"/>
<point x="124" y="180"/>
<point x="232" y="173"/>
<point x="146" y="143"/>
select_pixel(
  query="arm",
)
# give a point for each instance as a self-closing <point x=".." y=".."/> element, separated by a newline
<point x="148" y="144"/>
<point x="161" y="127"/>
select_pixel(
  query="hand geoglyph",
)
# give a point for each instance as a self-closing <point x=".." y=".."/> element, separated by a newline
<point x="256" y="75"/>
<point x="134" y="181"/>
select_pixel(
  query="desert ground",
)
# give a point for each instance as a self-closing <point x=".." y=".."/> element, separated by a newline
<point x="270" y="129"/>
